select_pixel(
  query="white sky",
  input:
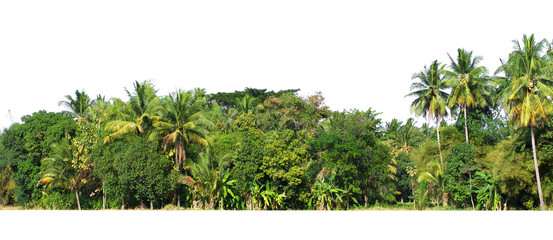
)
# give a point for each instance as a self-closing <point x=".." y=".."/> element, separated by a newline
<point x="359" y="54"/>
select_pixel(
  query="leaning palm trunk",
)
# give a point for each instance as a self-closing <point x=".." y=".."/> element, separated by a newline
<point x="78" y="202"/>
<point x="439" y="146"/>
<point x="542" y="204"/>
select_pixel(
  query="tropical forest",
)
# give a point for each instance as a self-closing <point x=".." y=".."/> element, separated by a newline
<point x="478" y="139"/>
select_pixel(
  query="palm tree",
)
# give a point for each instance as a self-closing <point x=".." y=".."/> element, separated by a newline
<point x="405" y="134"/>
<point x="65" y="169"/>
<point x="468" y="83"/>
<point x="211" y="178"/>
<point x="392" y="129"/>
<point x="79" y="106"/>
<point x="527" y="99"/>
<point x="430" y="98"/>
<point x="137" y="116"/>
<point x="436" y="177"/>
<point x="184" y="122"/>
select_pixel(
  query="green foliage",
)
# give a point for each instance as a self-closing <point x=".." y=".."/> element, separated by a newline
<point x="135" y="117"/>
<point x="487" y="126"/>
<point x="57" y="201"/>
<point x="37" y="134"/>
<point x="326" y="195"/>
<point x="348" y="146"/>
<point x="211" y="179"/>
<point x="7" y="186"/>
<point x="514" y="170"/>
<point x="450" y="136"/>
<point x="458" y="171"/>
<point x="184" y="123"/>
<point x="285" y="155"/>
<point x="405" y="177"/>
<point x="140" y="172"/>
<point x="228" y="100"/>
<point x="292" y="112"/>
<point x="488" y="197"/>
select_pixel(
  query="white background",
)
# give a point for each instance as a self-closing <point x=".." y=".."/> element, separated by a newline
<point x="359" y="54"/>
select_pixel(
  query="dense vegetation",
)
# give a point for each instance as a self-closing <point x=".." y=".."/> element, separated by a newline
<point x="264" y="150"/>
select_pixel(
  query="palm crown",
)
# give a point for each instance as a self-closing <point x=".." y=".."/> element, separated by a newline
<point x="430" y="96"/>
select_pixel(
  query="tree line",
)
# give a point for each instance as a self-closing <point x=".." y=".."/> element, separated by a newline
<point x="265" y="150"/>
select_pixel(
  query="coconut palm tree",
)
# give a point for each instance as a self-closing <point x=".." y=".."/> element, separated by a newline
<point x="405" y="134"/>
<point x="135" y="116"/>
<point x="527" y="99"/>
<point x="79" y="106"/>
<point x="468" y="83"/>
<point x="184" y="122"/>
<point x="430" y="101"/>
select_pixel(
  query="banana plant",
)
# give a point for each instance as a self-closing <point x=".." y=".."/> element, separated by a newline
<point x="326" y="193"/>
<point x="487" y="195"/>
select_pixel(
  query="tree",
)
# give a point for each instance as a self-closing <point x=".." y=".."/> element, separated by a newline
<point x="468" y="83"/>
<point x="184" y="122"/>
<point x="459" y="163"/>
<point x="30" y="142"/>
<point x="349" y="147"/>
<point x="527" y="99"/>
<point x="211" y="178"/>
<point x="67" y="167"/>
<point x="137" y="116"/>
<point x="141" y="173"/>
<point x="79" y="106"/>
<point x="430" y="98"/>
<point x="436" y="178"/>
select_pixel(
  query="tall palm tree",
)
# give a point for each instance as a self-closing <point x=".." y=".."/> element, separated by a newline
<point x="430" y="101"/>
<point x="137" y="115"/>
<point x="79" y="106"/>
<point x="468" y="83"/>
<point x="527" y="99"/>
<point x="184" y="122"/>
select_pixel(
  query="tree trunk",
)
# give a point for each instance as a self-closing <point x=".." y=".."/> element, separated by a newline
<point x="542" y="204"/>
<point x="103" y="197"/>
<point x="123" y="205"/>
<point x="466" y="128"/>
<point x="78" y="202"/>
<point x="439" y="146"/>
<point x="412" y="187"/>
<point x="151" y="205"/>
<point x="178" y="200"/>
<point x="347" y="203"/>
